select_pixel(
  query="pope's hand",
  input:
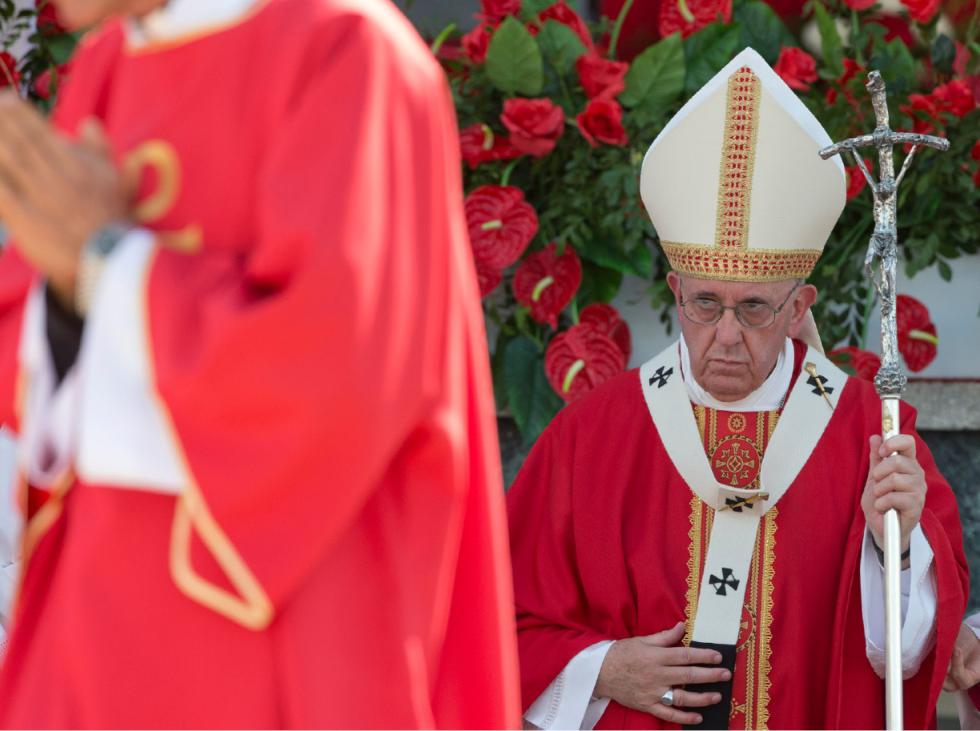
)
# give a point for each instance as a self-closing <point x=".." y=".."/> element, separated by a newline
<point x="964" y="668"/>
<point x="638" y="671"/>
<point x="55" y="194"/>
<point x="895" y="480"/>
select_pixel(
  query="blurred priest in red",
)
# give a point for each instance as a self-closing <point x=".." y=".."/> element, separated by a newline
<point x="242" y="349"/>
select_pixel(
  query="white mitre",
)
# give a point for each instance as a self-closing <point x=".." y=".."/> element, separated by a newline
<point x="734" y="184"/>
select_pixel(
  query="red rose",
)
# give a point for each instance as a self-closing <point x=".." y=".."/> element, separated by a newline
<point x="961" y="59"/>
<point x="602" y="120"/>
<point x="8" y="70"/>
<point x="859" y="4"/>
<point x="535" y="125"/>
<point x="495" y="11"/>
<point x="475" y="44"/>
<point x="546" y="282"/>
<point x="851" y="69"/>
<point x="566" y="16"/>
<point x="864" y="363"/>
<point x="580" y="359"/>
<point x="48" y="22"/>
<point x="501" y="224"/>
<point x="478" y="144"/>
<point x="796" y="67"/>
<point x="924" y="105"/>
<point x="955" y="97"/>
<point x="607" y="320"/>
<point x="688" y="16"/>
<point x="600" y="77"/>
<point x="488" y="278"/>
<point x="975" y="152"/>
<point x="917" y="339"/>
<point x="921" y="11"/>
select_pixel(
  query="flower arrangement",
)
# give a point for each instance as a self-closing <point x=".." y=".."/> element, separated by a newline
<point x="49" y="46"/>
<point x="554" y="125"/>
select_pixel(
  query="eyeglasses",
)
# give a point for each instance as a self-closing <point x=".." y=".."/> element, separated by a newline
<point x="708" y="311"/>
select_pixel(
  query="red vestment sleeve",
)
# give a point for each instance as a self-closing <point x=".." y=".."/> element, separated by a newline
<point x="553" y="623"/>
<point x="16" y="277"/>
<point x="852" y="676"/>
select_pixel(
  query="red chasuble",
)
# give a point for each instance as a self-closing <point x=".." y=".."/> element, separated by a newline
<point x="608" y="542"/>
<point x="330" y="548"/>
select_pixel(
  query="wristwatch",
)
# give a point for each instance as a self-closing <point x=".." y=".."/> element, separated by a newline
<point x="92" y="260"/>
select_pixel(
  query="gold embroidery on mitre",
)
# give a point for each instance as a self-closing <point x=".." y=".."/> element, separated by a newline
<point x="737" y="160"/>
<point x="740" y="265"/>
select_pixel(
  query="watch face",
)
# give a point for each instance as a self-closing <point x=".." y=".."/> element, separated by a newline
<point x="106" y="240"/>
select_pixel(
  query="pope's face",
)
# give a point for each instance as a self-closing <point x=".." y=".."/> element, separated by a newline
<point x="77" y="14"/>
<point x="728" y="359"/>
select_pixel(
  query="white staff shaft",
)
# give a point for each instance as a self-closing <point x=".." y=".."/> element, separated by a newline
<point x="893" y="598"/>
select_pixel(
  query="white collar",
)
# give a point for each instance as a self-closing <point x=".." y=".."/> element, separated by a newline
<point x="184" y="17"/>
<point x="767" y="397"/>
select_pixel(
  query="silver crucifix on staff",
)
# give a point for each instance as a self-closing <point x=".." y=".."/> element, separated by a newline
<point x="880" y="264"/>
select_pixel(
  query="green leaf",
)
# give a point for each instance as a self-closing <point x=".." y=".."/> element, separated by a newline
<point x="599" y="284"/>
<point x="762" y="30"/>
<point x="831" y="46"/>
<point x="945" y="271"/>
<point x="532" y="400"/>
<point x="707" y="51"/>
<point x="656" y="77"/>
<point x="530" y="9"/>
<point x="514" y="60"/>
<point x="561" y="45"/>
<point x="943" y="54"/>
<point x="895" y="62"/>
<point x="497" y="368"/>
<point x="62" y="47"/>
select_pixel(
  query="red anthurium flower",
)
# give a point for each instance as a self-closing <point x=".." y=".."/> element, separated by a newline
<point x="478" y="144"/>
<point x="580" y="359"/>
<point x="535" y="125"/>
<point x="488" y="277"/>
<point x="566" y="16"/>
<point x="606" y="319"/>
<point x="495" y="11"/>
<point x="796" y="67"/>
<point x="688" y="16"/>
<point x="922" y="11"/>
<point x="475" y="44"/>
<point x="600" y="77"/>
<point x="546" y="282"/>
<point x="864" y="363"/>
<point x="8" y="70"/>
<point x="917" y="338"/>
<point x="501" y="224"/>
<point x="602" y="121"/>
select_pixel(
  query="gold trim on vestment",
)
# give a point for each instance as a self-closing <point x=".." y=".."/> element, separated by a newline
<point x="252" y="608"/>
<point x="756" y="649"/>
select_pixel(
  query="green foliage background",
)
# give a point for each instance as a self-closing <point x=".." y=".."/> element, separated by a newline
<point x="588" y="197"/>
